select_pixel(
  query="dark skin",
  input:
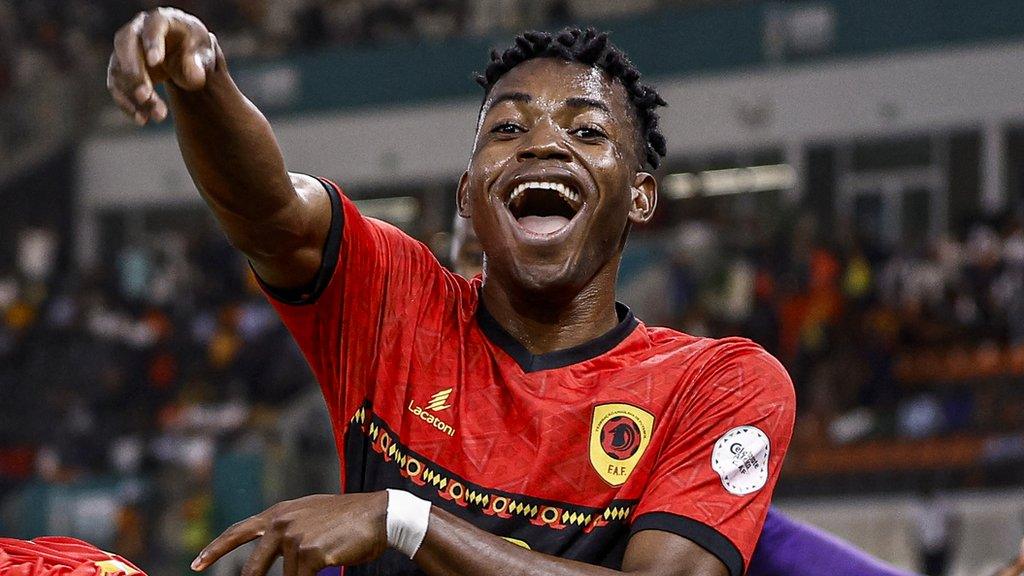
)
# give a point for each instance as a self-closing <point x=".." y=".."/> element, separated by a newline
<point x="546" y="119"/>
<point x="552" y="119"/>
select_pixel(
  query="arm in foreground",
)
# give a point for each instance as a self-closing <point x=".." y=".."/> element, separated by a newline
<point x="279" y="220"/>
<point x="791" y="548"/>
<point x="341" y="530"/>
<point x="453" y="547"/>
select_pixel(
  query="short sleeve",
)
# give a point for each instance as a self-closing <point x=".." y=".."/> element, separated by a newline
<point x="377" y="286"/>
<point x="712" y="482"/>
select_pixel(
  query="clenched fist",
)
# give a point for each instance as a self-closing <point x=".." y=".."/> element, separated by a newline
<point x="160" y="45"/>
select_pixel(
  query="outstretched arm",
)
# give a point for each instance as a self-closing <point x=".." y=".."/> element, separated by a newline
<point x="329" y="530"/>
<point x="279" y="220"/>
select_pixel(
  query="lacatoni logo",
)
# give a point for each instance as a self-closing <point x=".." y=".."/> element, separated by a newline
<point x="436" y="403"/>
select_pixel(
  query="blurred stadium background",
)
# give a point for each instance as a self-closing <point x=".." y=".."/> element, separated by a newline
<point x="845" y="185"/>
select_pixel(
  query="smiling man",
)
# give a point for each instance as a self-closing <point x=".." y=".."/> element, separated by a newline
<point x="518" y="423"/>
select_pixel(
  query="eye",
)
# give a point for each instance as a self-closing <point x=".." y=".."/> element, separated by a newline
<point x="507" y="128"/>
<point x="588" y="133"/>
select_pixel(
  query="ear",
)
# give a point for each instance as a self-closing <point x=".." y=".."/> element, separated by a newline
<point x="643" y="197"/>
<point x="462" y="196"/>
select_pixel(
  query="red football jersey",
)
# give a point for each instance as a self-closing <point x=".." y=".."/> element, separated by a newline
<point x="567" y="453"/>
<point x="60" y="556"/>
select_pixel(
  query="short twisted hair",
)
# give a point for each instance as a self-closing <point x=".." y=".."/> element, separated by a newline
<point x="591" y="48"/>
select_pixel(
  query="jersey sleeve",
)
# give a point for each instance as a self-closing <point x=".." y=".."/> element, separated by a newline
<point x="713" y="480"/>
<point x="376" y="288"/>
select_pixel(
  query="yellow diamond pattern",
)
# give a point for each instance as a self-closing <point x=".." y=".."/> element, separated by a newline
<point x="478" y="498"/>
<point x="360" y="416"/>
<point x="616" y="513"/>
<point x="435" y="479"/>
<point x="577" y="518"/>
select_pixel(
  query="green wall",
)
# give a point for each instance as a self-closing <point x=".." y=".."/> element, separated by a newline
<point x="675" y="42"/>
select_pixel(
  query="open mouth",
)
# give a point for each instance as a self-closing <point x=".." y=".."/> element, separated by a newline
<point x="544" y="207"/>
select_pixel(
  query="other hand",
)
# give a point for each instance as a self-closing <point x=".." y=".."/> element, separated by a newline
<point x="159" y="45"/>
<point x="310" y="533"/>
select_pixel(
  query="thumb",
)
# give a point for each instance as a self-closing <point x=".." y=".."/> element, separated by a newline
<point x="196" y="63"/>
<point x="196" y="58"/>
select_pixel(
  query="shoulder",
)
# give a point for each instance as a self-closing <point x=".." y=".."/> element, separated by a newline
<point x="710" y="353"/>
<point x="717" y="368"/>
<point x="741" y="365"/>
<point x="736" y="351"/>
<point x="741" y="378"/>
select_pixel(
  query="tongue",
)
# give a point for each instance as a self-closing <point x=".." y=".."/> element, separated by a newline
<point x="543" y="224"/>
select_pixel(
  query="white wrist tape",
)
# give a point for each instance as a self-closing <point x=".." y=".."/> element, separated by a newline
<point x="407" y="519"/>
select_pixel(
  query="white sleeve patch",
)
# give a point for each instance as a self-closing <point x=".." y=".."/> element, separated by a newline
<point x="741" y="459"/>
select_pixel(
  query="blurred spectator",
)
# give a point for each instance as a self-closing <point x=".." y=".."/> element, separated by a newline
<point x="51" y="48"/>
<point x="862" y="331"/>
<point x="934" y="525"/>
<point x="148" y="367"/>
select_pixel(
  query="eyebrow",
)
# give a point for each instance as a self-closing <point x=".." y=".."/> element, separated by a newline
<point x="583" y="102"/>
<point x="510" y="97"/>
<point x="574" y="102"/>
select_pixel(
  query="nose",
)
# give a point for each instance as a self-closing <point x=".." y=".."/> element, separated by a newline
<point x="543" y="142"/>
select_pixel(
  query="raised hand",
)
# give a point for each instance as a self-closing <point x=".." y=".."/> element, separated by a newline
<point x="310" y="533"/>
<point x="159" y="45"/>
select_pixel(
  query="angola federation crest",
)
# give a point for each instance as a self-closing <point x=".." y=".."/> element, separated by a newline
<point x="619" y="434"/>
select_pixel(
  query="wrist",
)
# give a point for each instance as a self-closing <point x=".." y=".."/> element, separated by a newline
<point x="406" y="521"/>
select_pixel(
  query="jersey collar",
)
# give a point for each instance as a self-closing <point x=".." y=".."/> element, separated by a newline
<point x="560" y="358"/>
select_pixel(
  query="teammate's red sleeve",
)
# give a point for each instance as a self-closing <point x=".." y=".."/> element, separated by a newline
<point x="60" y="556"/>
<point x="376" y="288"/>
<point x="713" y="481"/>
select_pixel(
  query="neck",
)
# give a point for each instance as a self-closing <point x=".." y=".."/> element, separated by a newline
<point x="542" y="323"/>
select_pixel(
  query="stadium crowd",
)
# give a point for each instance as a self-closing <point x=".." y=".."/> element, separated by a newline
<point x="173" y="333"/>
<point x="52" y="48"/>
<point x="152" y="364"/>
<point x="140" y="372"/>
<point x="64" y="35"/>
<point x="881" y="343"/>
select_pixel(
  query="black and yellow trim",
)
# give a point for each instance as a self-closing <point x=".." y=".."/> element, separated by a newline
<point x="434" y="478"/>
<point x="375" y="458"/>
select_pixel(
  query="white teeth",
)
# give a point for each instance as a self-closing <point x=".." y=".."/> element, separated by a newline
<point x="562" y="189"/>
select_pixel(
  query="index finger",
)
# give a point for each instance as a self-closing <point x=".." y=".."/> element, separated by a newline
<point x="154" y="35"/>
<point x="239" y="533"/>
<point x="134" y="78"/>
